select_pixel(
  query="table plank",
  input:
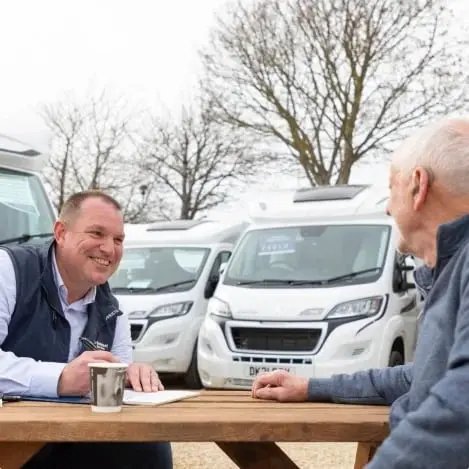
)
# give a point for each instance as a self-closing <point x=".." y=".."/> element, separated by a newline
<point x="196" y="420"/>
<point x="213" y="406"/>
<point x="265" y="455"/>
<point x="246" y="429"/>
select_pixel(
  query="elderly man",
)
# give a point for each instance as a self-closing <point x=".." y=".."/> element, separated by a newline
<point x="429" y="418"/>
<point x="55" y="300"/>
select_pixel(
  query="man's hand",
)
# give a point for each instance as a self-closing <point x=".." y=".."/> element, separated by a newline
<point x="75" y="377"/>
<point x="142" y="377"/>
<point x="280" y="386"/>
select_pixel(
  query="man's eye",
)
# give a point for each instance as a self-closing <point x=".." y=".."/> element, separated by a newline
<point x="96" y="234"/>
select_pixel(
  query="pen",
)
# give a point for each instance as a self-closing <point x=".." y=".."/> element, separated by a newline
<point x="11" y="398"/>
<point x="8" y="398"/>
<point x="88" y="344"/>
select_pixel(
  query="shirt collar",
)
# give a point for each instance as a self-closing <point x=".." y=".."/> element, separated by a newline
<point x="450" y="238"/>
<point x="63" y="292"/>
<point x="424" y="279"/>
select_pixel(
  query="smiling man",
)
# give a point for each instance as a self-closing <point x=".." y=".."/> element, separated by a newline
<point x="57" y="314"/>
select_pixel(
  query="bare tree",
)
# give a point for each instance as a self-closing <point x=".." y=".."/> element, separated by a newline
<point x="333" y="80"/>
<point x="91" y="148"/>
<point x="144" y="203"/>
<point x="65" y="124"/>
<point x="195" y="161"/>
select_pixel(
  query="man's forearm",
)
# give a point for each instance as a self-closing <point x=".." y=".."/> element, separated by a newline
<point x="25" y="376"/>
<point x="375" y="386"/>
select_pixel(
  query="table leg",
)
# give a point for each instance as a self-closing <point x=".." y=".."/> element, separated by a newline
<point x="365" y="452"/>
<point x="14" y="455"/>
<point x="257" y="455"/>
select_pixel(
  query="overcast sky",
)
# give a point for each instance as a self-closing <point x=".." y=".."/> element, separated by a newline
<point x="145" y="49"/>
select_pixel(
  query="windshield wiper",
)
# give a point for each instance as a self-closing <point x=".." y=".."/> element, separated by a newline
<point x="132" y="289"/>
<point x="350" y="275"/>
<point x="293" y="282"/>
<point x="24" y="238"/>
<point x="266" y="281"/>
<point x="151" y="289"/>
<point x="174" y="285"/>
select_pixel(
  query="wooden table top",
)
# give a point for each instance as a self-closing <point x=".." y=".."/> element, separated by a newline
<point x="212" y="416"/>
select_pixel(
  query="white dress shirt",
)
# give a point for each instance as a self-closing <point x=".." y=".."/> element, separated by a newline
<point x="25" y="376"/>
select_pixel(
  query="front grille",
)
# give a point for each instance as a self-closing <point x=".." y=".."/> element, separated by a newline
<point x="275" y="340"/>
<point x="135" y="330"/>
<point x="272" y="360"/>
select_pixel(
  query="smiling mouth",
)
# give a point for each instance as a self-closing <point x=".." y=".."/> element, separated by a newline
<point x="102" y="262"/>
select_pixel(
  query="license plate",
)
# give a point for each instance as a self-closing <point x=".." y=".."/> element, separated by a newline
<point x="254" y="370"/>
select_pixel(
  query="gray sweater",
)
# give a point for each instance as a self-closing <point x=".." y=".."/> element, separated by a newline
<point x="429" y="399"/>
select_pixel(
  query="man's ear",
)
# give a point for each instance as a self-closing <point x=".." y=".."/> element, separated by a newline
<point x="420" y="184"/>
<point x="59" y="231"/>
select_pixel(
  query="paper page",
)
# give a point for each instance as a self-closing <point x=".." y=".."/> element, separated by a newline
<point x="156" y="398"/>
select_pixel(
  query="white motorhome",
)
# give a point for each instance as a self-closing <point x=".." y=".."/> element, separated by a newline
<point x="316" y="289"/>
<point x="26" y="213"/>
<point x="168" y="272"/>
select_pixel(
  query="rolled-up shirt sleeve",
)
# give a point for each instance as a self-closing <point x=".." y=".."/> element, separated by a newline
<point x="122" y="345"/>
<point x="21" y="375"/>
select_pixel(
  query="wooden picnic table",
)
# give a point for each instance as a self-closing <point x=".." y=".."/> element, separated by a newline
<point x="246" y="429"/>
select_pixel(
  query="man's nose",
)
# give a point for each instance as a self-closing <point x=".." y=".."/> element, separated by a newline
<point x="107" y="245"/>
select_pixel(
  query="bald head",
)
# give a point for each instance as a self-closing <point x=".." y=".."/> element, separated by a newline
<point x="442" y="149"/>
<point x="428" y="183"/>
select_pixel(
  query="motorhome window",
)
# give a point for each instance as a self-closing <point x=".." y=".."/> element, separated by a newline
<point x="156" y="267"/>
<point x="24" y="206"/>
<point x="310" y="253"/>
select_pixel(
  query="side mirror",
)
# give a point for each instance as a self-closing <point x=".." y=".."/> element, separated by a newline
<point x="403" y="275"/>
<point x="407" y="270"/>
<point x="211" y="285"/>
<point x="222" y="267"/>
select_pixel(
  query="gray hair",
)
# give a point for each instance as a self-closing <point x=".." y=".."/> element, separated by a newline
<point x="442" y="148"/>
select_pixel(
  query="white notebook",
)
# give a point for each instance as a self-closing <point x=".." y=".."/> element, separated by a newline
<point x="156" y="398"/>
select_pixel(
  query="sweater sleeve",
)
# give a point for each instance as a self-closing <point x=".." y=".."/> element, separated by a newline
<point x="375" y="386"/>
<point x="436" y="434"/>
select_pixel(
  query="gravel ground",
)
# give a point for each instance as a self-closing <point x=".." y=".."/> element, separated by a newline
<point x="307" y="456"/>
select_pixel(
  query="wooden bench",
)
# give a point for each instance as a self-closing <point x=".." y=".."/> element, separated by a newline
<point x="247" y="430"/>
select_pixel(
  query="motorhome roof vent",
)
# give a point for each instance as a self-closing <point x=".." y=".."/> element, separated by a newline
<point x="175" y="225"/>
<point x="325" y="193"/>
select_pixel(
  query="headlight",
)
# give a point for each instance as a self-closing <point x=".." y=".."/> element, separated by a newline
<point x="165" y="311"/>
<point x="363" y="307"/>
<point x="138" y="314"/>
<point x="218" y="307"/>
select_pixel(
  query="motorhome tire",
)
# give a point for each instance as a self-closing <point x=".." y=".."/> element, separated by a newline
<point x="396" y="358"/>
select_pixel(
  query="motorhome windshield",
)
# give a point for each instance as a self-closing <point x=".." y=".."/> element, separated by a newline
<point x="309" y="256"/>
<point x="158" y="269"/>
<point x="25" y="211"/>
